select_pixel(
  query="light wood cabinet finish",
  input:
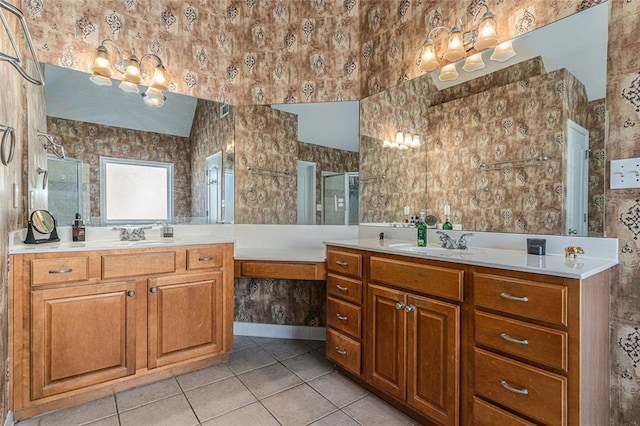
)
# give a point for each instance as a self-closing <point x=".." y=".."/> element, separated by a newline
<point x="344" y="316"/>
<point x="344" y="351"/>
<point x="100" y="328"/>
<point x="313" y="271"/>
<point x="344" y="288"/>
<point x="344" y="262"/>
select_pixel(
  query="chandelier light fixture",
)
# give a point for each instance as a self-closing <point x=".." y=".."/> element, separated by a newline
<point x="460" y="42"/>
<point x="103" y="66"/>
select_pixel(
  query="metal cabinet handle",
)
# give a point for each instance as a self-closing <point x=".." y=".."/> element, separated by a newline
<point x="205" y="259"/>
<point x="514" y="298"/>
<point x="522" y="391"/>
<point x="153" y="290"/>
<point x="131" y="293"/>
<point x="61" y="271"/>
<point x="341" y="288"/>
<point x="508" y="338"/>
<point x="341" y="263"/>
<point x="341" y="318"/>
<point x="341" y="351"/>
<point x="400" y="305"/>
<point x="409" y="308"/>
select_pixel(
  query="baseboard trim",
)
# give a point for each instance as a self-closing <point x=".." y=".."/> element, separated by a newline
<point x="279" y="331"/>
<point x="9" y="420"/>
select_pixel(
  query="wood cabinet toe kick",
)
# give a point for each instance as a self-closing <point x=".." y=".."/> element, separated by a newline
<point x="282" y="269"/>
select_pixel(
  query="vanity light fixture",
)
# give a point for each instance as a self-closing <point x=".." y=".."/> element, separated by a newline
<point x="103" y="66"/>
<point x="473" y="63"/>
<point x="403" y="141"/>
<point x="503" y="52"/>
<point x="448" y="72"/>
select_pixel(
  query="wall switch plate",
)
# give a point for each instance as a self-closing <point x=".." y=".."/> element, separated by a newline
<point x="625" y="173"/>
<point x="318" y="207"/>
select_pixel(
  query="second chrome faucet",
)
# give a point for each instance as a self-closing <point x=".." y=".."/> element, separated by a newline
<point x="450" y="243"/>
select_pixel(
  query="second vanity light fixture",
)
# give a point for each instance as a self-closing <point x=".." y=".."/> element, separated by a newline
<point x="103" y="66"/>
<point x="403" y="141"/>
<point x="459" y="42"/>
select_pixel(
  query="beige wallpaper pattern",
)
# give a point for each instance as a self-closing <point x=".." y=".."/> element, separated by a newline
<point x="88" y="142"/>
<point x="209" y="134"/>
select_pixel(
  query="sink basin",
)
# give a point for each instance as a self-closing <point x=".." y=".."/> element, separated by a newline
<point x="432" y="250"/>
<point x="111" y="243"/>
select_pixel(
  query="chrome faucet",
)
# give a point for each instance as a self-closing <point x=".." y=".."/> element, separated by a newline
<point x="136" y="234"/>
<point x="450" y="243"/>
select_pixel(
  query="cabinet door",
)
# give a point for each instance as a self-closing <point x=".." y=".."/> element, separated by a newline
<point x="388" y="348"/>
<point x="185" y="317"/>
<point x="433" y="358"/>
<point x="81" y="336"/>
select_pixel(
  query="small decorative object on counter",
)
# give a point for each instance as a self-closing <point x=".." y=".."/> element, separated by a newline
<point x="167" y="231"/>
<point x="78" y="230"/>
<point x="573" y="251"/>
<point x="536" y="246"/>
<point x="422" y="231"/>
<point x="447" y="225"/>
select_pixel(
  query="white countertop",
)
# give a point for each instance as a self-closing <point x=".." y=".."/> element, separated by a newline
<point x="557" y="265"/>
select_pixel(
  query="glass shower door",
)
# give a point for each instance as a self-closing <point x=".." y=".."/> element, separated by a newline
<point x="340" y="199"/>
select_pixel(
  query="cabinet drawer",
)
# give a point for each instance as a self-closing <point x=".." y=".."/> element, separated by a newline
<point x="204" y="257"/>
<point x="344" y="351"/>
<point x="530" y="299"/>
<point x="59" y="270"/>
<point x="486" y="414"/>
<point x="344" y="316"/>
<point x="428" y="279"/>
<point x="532" y="342"/>
<point x="312" y="271"/>
<point x="344" y="263"/>
<point x="344" y="288"/>
<point x="131" y="265"/>
<point x="531" y="391"/>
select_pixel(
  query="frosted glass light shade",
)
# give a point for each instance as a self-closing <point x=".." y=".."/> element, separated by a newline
<point x="448" y="73"/>
<point x="503" y="52"/>
<point x="408" y="141"/>
<point x="100" y="80"/>
<point x="415" y="143"/>
<point x="428" y="59"/>
<point x="473" y="63"/>
<point x="386" y="144"/>
<point x="455" y="47"/>
<point x="129" y="87"/>
<point x="153" y="97"/>
<point x="101" y="68"/>
<point x="487" y="35"/>
<point x="399" y="138"/>
<point x="159" y="79"/>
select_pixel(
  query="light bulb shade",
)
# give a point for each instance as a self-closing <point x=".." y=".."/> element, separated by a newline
<point x="399" y="138"/>
<point x="153" y="97"/>
<point x="132" y="72"/>
<point x="403" y="146"/>
<point x="448" y="73"/>
<point x="487" y="36"/>
<point x="415" y="143"/>
<point x="100" y="80"/>
<point x="473" y="63"/>
<point x="101" y="67"/>
<point x="428" y="59"/>
<point x="455" y="46"/>
<point x="129" y="87"/>
<point x="408" y="141"/>
<point x="503" y="52"/>
<point x="159" y="79"/>
<point x="386" y="144"/>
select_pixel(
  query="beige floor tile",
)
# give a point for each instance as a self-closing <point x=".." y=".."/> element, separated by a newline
<point x="242" y="342"/>
<point x="315" y="344"/>
<point x="336" y="419"/>
<point x="372" y="411"/>
<point x="146" y="394"/>
<point x="282" y="349"/>
<point x="263" y="340"/>
<point x="269" y="380"/>
<point x="171" y="411"/>
<point x="109" y="421"/>
<point x="298" y="406"/>
<point x="219" y="398"/>
<point x="308" y="366"/>
<point x="251" y="415"/>
<point x="249" y="359"/>
<point x="338" y="389"/>
<point x="76" y="415"/>
<point x="204" y="376"/>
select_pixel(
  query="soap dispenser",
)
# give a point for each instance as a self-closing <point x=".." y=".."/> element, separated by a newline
<point x="447" y="225"/>
<point x="78" y="230"/>
<point x="422" y="231"/>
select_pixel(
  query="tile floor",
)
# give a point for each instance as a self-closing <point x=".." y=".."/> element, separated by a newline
<point x="266" y="382"/>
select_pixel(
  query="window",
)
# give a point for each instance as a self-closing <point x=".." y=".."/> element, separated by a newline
<point x="135" y="191"/>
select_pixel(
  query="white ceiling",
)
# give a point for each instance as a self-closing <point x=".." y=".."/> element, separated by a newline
<point x="577" y="43"/>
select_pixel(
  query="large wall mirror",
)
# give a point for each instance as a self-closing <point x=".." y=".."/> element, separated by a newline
<point x="501" y="149"/>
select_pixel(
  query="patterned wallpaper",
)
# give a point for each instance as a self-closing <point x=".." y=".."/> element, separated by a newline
<point x="240" y="52"/>
<point x="327" y="160"/>
<point x="596" y="116"/>
<point x="87" y="142"/>
<point x="266" y="170"/>
<point x="209" y="134"/>
<point x="270" y="301"/>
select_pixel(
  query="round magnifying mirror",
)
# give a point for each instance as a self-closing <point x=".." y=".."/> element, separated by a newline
<point x="43" y="221"/>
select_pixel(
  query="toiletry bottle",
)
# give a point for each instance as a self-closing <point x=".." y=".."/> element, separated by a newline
<point x="78" y="229"/>
<point x="422" y="232"/>
<point x="447" y="223"/>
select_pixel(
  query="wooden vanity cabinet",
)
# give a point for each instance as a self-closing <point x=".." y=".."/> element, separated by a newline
<point x="87" y="324"/>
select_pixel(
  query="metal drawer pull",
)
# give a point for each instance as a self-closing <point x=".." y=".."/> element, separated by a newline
<point x="508" y="338"/>
<point x="505" y="385"/>
<point x="153" y="290"/>
<point x="205" y="259"/>
<point x="341" y="318"/>
<point x="131" y="293"/>
<point x="514" y="298"/>
<point x="61" y="271"/>
<point x="340" y="351"/>
<point x="409" y="308"/>
<point x="341" y="263"/>
<point x="345" y="289"/>
<point x="400" y="305"/>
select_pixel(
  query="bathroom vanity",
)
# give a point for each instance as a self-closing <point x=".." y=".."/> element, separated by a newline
<point x="89" y="320"/>
<point x="480" y="337"/>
